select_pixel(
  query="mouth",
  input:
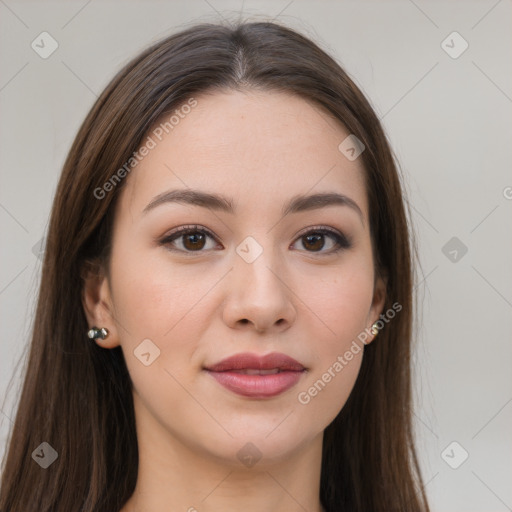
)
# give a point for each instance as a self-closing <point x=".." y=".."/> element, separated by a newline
<point x="254" y="371"/>
<point x="254" y="376"/>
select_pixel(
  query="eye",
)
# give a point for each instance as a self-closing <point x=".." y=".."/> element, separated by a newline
<point x="189" y="239"/>
<point x="196" y="238"/>
<point x="314" y="240"/>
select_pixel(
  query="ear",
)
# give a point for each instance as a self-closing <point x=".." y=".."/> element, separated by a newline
<point x="378" y="301"/>
<point x="98" y="305"/>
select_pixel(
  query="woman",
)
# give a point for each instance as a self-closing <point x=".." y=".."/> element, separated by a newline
<point x="224" y="319"/>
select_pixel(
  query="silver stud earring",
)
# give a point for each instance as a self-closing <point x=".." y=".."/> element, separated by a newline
<point x="94" y="333"/>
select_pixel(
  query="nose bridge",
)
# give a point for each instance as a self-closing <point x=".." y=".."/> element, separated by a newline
<point x="257" y="292"/>
<point x="256" y="264"/>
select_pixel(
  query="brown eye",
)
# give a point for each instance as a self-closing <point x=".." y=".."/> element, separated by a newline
<point x="313" y="242"/>
<point x="194" y="241"/>
<point x="189" y="239"/>
<point x="318" y="239"/>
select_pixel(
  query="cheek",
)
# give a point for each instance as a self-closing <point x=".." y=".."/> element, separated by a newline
<point x="154" y="302"/>
<point x="326" y="391"/>
<point x="343" y="300"/>
<point x="169" y="305"/>
<point x="342" y="303"/>
<point x="151" y="295"/>
<point x="336" y="363"/>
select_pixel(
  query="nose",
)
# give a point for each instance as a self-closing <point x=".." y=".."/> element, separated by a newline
<point x="258" y="298"/>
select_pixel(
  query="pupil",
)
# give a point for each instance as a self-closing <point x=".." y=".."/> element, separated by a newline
<point x="316" y="241"/>
<point x="194" y="241"/>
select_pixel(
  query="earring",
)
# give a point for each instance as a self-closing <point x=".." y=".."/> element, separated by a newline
<point x="374" y="329"/>
<point x="94" y="333"/>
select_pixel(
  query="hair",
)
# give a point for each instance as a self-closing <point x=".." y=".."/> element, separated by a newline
<point x="77" y="396"/>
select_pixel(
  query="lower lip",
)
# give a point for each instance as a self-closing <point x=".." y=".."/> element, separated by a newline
<point x="257" y="386"/>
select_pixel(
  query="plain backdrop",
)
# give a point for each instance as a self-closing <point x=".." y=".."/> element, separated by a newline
<point x="448" y="117"/>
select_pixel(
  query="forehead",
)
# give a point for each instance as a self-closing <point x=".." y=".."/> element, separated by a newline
<point x="257" y="147"/>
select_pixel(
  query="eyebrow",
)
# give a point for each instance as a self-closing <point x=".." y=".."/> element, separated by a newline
<point x="218" y="202"/>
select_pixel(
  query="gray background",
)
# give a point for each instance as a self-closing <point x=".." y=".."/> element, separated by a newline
<point x="449" y="121"/>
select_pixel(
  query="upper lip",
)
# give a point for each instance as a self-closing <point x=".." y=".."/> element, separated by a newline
<point x="246" y="361"/>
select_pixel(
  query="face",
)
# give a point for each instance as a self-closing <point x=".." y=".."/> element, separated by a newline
<point x="258" y="269"/>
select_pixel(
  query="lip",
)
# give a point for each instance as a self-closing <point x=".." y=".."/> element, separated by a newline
<point x="229" y="373"/>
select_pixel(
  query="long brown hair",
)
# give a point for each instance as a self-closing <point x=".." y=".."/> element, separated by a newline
<point x="77" y="396"/>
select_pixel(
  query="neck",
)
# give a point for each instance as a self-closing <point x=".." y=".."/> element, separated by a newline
<point x="174" y="475"/>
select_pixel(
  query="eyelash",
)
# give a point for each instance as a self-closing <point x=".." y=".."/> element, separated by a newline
<point x="343" y="242"/>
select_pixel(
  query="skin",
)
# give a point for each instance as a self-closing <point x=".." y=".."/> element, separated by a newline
<point x="259" y="149"/>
